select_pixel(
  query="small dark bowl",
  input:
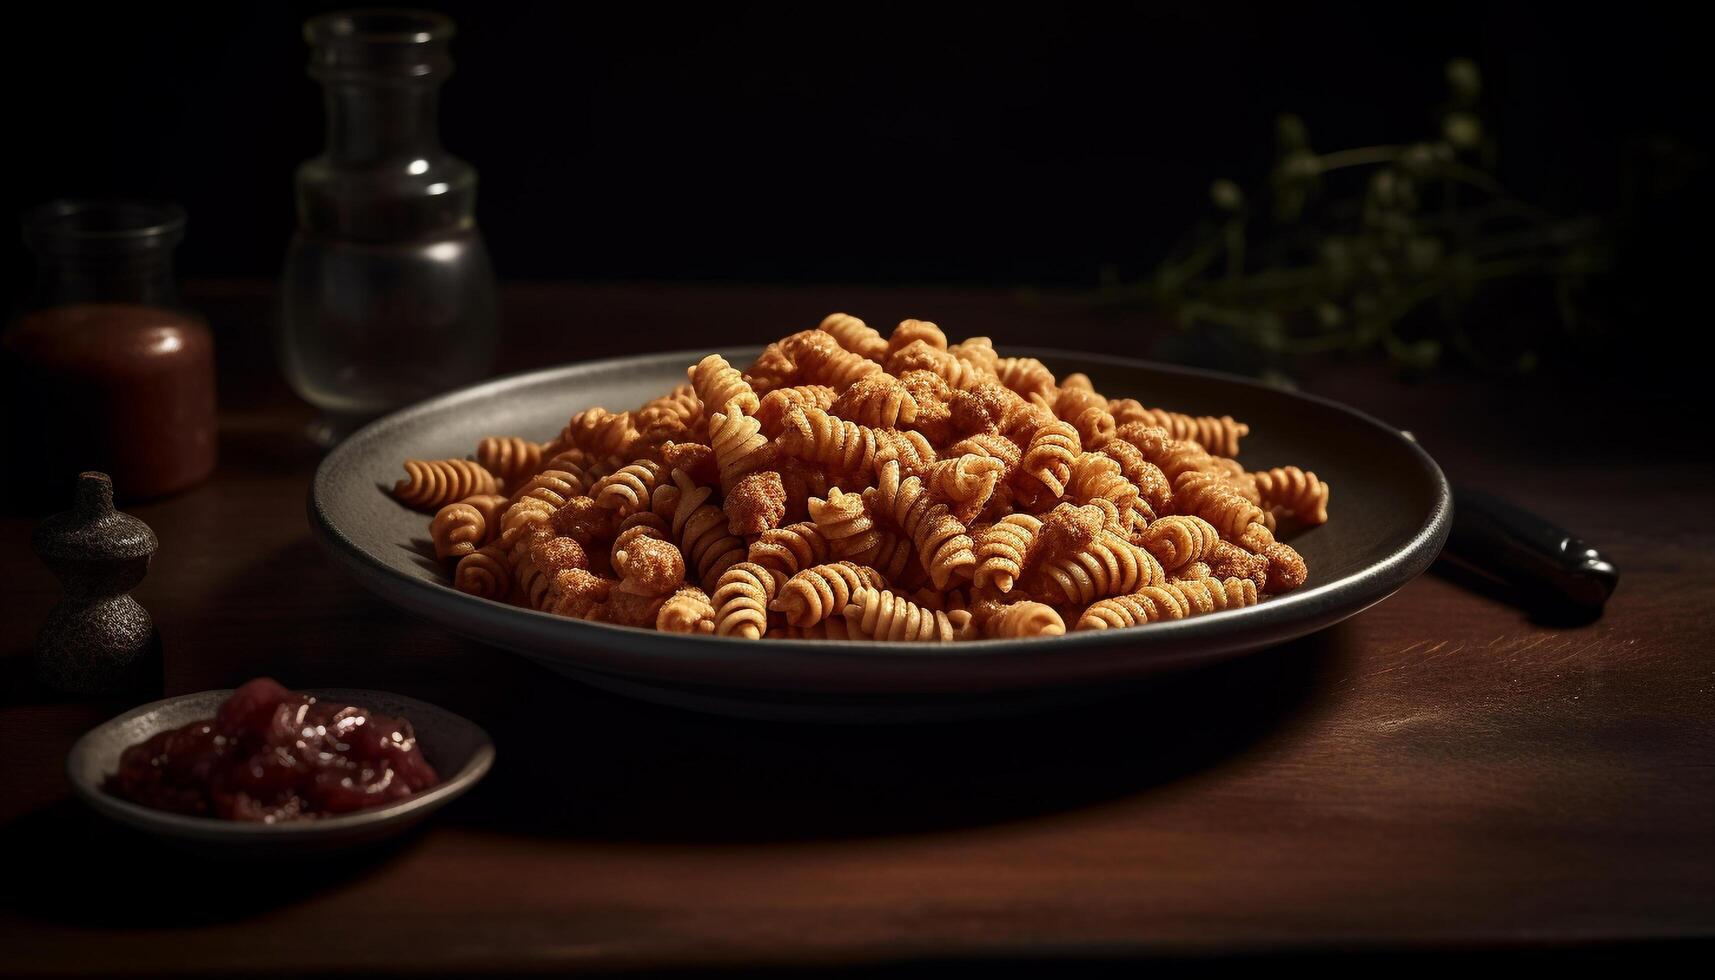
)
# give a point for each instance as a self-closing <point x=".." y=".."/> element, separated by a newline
<point x="458" y="749"/>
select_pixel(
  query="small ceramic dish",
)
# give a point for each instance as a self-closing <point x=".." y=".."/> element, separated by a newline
<point x="460" y="751"/>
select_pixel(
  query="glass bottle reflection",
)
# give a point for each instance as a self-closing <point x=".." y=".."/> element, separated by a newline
<point x="388" y="291"/>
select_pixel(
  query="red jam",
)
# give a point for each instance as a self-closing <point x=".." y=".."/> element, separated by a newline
<point x="270" y="755"/>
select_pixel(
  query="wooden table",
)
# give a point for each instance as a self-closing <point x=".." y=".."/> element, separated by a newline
<point x="1440" y="772"/>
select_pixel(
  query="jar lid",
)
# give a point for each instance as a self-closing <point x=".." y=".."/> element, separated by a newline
<point x="87" y="227"/>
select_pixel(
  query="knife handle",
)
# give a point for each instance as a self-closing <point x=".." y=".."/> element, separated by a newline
<point x="1546" y="562"/>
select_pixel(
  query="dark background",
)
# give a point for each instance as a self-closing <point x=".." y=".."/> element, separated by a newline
<point x="880" y="145"/>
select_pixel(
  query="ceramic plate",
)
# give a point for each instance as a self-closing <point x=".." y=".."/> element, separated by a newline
<point x="459" y="750"/>
<point x="1390" y="512"/>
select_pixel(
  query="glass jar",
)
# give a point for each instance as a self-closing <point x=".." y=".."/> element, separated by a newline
<point x="388" y="291"/>
<point x="106" y="372"/>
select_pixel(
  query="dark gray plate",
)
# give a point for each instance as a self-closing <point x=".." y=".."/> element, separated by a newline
<point x="460" y="751"/>
<point x="1390" y="513"/>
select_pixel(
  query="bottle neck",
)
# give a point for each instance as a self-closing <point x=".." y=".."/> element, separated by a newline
<point x="381" y="122"/>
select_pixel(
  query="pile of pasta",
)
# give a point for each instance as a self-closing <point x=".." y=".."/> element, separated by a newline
<point x="850" y="485"/>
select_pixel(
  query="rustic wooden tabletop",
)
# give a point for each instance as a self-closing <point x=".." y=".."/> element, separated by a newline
<point x="1441" y="772"/>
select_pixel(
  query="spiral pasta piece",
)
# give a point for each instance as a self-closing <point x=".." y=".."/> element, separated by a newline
<point x="1002" y="551"/>
<point x="681" y="405"/>
<point x="854" y="335"/>
<point x="432" y="484"/>
<point x="741" y="599"/>
<point x="1295" y="491"/>
<point x="909" y="332"/>
<point x="1022" y="620"/>
<point x="486" y="572"/>
<point x="992" y="446"/>
<point x="1219" y="435"/>
<point x="790" y="549"/>
<point x="719" y="384"/>
<point x="918" y="355"/>
<point x="701" y="531"/>
<point x="771" y="415"/>
<point x="1048" y="461"/>
<point x="1025" y="375"/>
<point x="1097" y="476"/>
<point x="1179" y="540"/>
<point x="1209" y="496"/>
<point x="510" y="458"/>
<point x="600" y="432"/>
<point x="878" y="614"/>
<point x="1171" y="600"/>
<point x="628" y="489"/>
<point x="847" y="447"/>
<point x="819" y="359"/>
<point x="1286" y="568"/>
<point x="461" y="528"/>
<point x="579" y="594"/>
<point x="821" y="592"/>
<point x="1087" y="412"/>
<point x="1111" y="565"/>
<point x="879" y="401"/>
<point x="686" y="611"/>
<point x="844" y="524"/>
<point x="739" y="445"/>
<point x="943" y="545"/>
<point x="965" y="483"/>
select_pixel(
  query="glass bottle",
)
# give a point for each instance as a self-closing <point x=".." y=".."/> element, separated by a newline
<point x="106" y="372"/>
<point x="388" y="293"/>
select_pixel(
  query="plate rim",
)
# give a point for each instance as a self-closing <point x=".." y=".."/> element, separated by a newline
<point x="184" y="824"/>
<point x="1360" y="590"/>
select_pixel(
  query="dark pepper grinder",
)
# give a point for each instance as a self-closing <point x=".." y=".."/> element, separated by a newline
<point x="106" y="372"/>
<point x="97" y="640"/>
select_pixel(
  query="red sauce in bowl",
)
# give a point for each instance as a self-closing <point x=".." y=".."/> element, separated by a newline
<point x="271" y="755"/>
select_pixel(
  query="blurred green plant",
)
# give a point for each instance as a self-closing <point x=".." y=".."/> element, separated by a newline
<point x="1390" y="248"/>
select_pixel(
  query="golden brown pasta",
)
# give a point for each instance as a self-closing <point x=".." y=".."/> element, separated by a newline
<point x="819" y="359"/>
<point x="600" y="432"/>
<point x="718" y="384"/>
<point x="878" y="614"/>
<point x="1025" y="619"/>
<point x="1295" y="491"/>
<point x="878" y="401"/>
<point x="739" y="445"/>
<point x="509" y="458"/>
<point x="822" y="591"/>
<point x="486" y="572"/>
<point x="943" y="546"/>
<point x="741" y="599"/>
<point x="814" y="435"/>
<point x="700" y="528"/>
<point x="850" y="485"/>
<point x="1048" y="460"/>
<point x="686" y="611"/>
<point x="1179" y="540"/>
<point x="1170" y="600"/>
<point x="771" y="415"/>
<point x="1003" y="549"/>
<point x="855" y="336"/>
<point x="1218" y="435"/>
<point x="432" y="484"/>
<point x="458" y="529"/>
<point x="1110" y="565"/>
<point x="628" y="489"/>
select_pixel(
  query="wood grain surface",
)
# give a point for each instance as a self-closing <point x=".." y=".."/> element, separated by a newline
<point x="1441" y="772"/>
